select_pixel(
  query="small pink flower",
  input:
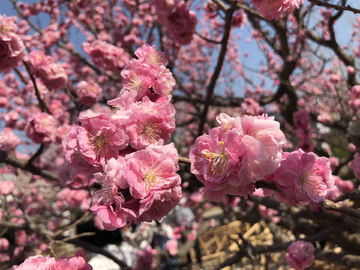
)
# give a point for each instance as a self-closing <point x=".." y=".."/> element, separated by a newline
<point x="4" y="244"/>
<point x="88" y="92"/>
<point x="182" y="24"/>
<point x="37" y="263"/>
<point x="6" y="187"/>
<point x="239" y="19"/>
<point x="53" y="76"/>
<point x="172" y="247"/>
<point x="301" y="255"/>
<point x="41" y="128"/>
<point x="100" y="139"/>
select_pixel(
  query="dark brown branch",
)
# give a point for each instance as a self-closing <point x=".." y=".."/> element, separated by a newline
<point x="25" y="165"/>
<point x="95" y="249"/>
<point x="329" y="205"/>
<point x="350" y="195"/>
<point x="220" y="61"/>
<point x="248" y="252"/>
<point x="43" y="106"/>
<point x="337" y="7"/>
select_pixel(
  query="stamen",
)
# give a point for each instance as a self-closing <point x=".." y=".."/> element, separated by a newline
<point x="151" y="132"/>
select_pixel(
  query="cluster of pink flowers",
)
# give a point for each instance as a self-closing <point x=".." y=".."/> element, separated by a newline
<point x="106" y="56"/>
<point x="78" y="262"/>
<point x="301" y="255"/>
<point x="303" y="178"/>
<point x="11" y="45"/>
<point x="125" y="146"/>
<point x="274" y="9"/>
<point x="176" y="17"/>
<point x="303" y="130"/>
<point x="51" y="74"/>
<point x="234" y="156"/>
<point x="142" y="186"/>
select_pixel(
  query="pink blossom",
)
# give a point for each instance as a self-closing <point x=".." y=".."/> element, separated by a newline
<point x="4" y="257"/>
<point x="8" y="140"/>
<point x="56" y="108"/>
<point x="151" y="55"/>
<point x="100" y="139"/>
<point x="6" y="187"/>
<point x="53" y="76"/>
<point x="138" y="77"/>
<point x="164" y="83"/>
<point x="4" y="244"/>
<point x="344" y="186"/>
<point x="172" y="247"/>
<point x="310" y="177"/>
<point x="88" y="92"/>
<point x="271" y="9"/>
<point x="44" y="263"/>
<point x="301" y="255"/>
<point x="73" y="155"/>
<point x="182" y="24"/>
<point x="41" y="128"/>
<point x="37" y="263"/>
<point x="77" y="262"/>
<point x="144" y="129"/>
<point x="267" y="134"/>
<point x="239" y="19"/>
<point x="11" y="45"/>
<point x="106" y="56"/>
<point x="192" y="236"/>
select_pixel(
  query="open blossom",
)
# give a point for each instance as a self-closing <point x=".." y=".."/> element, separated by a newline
<point x="99" y="138"/>
<point x="301" y="255"/>
<point x="303" y="177"/>
<point x="273" y="9"/>
<point x="88" y="92"/>
<point x="151" y="123"/>
<point x="41" y="128"/>
<point x="11" y="45"/>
